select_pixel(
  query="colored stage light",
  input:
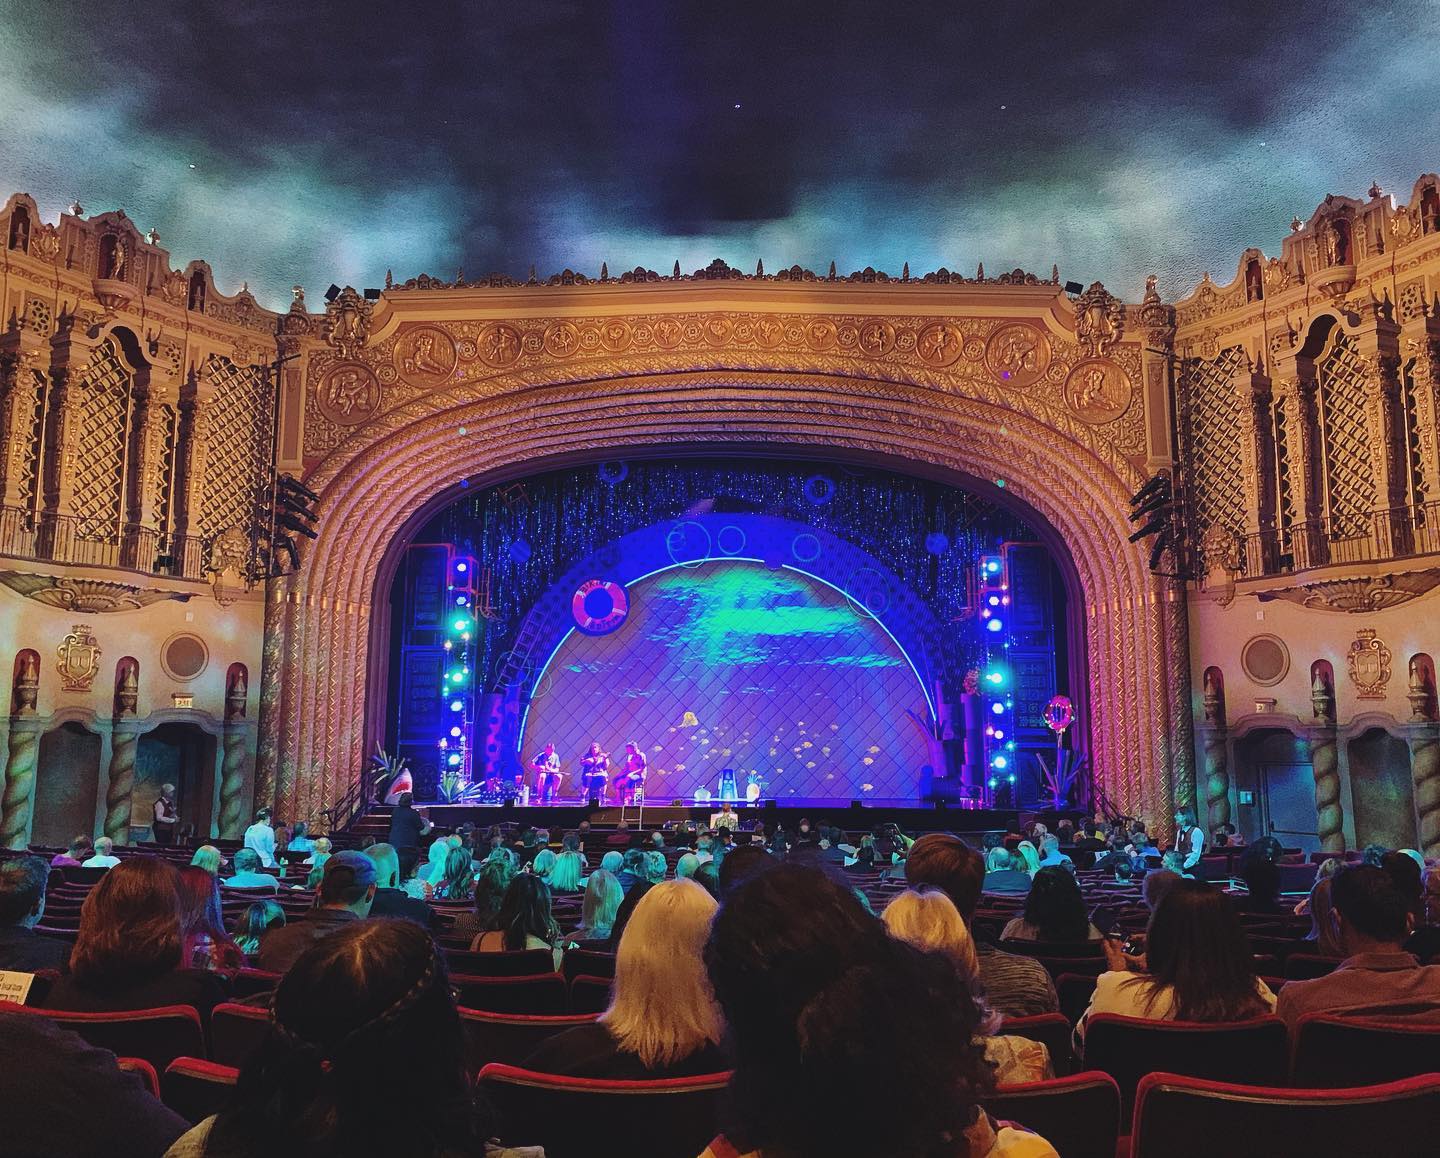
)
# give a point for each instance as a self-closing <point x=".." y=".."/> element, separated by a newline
<point x="992" y="567"/>
<point x="1000" y="762"/>
<point x="989" y="731"/>
<point x="454" y="731"/>
<point x="461" y="601"/>
<point x="999" y="735"/>
<point x="457" y="705"/>
<point x="454" y="759"/>
<point x="984" y="613"/>
<point x="444" y="743"/>
<point x="448" y="645"/>
<point x="992" y="782"/>
<point x="995" y="676"/>
<point x="998" y="708"/>
<point x="461" y="624"/>
<point x="995" y="625"/>
<point x="1010" y="747"/>
<point x="462" y="567"/>
<point x="994" y="601"/>
<point x="1011" y="778"/>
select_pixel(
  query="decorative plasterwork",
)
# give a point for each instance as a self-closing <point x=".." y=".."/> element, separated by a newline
<point x="1368" y="661"/>
<point x="92" y="596"/>
<point x="1359" y="595"/>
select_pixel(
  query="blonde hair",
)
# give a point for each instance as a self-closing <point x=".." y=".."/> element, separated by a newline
<point x="207" y="857"/>
<point x="387" y="865"/>
<point x="685" y="867"/>
<point x="603" y="896"/>
<point x="544" y="863"/>
<point x="663" y="1009"/>
<point x="1032" y="858"/>
<point x="929" y="920"/>
<point x="566" y="873"/>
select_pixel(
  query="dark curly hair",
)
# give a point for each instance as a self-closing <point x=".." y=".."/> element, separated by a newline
<point x="1056" y="907"/>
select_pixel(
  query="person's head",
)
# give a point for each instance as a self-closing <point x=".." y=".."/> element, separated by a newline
<point x="104" y="846"/>
<point x="1029" y="855"/>
<point x="1373" y="854"/>
<point x="1124" y="871"/>
<point x="202" y="922"/>
<point x="167" y="792"/>
<point x="613" y="861"/>
<point x="1260" y="873"/>
<point x="525" y="912"/>
<point x="662" y="1008"/>
<point x="1370" y="911"/>
<point x="544" y="863"/>
<point x="603" y="896"/>
<point x="253" y="922"/>
<point x="371" y="997"/>
<point x="1184" y="819"/>
<point x="387" y="865"/>
<point x="634" y="861"/>
<point x="631" y="747"/>
<point x="246" y="860"/>
<point x="322" y="848"/>
<point x="208" y="857"/>
<point x="81" y="848"/>
<point x="949" y="864"/>
<point x="570" y="842"/>
<point x="655" y="867"/>
<point x="928" y="919"/>
<point x="1049" y="845"/>
<point x="707" y="876"/>
<point x="1157" y="883"/>
<point x="595" y="748"/>
<point x="704" y="842"/>
<point x="1065" y="829"/>
<point x="459" y="878"/>
<point x="550" y="748"/>
<point x="130" y="930"/>
<point x="262" y="816"/>
<point x="1400" y="866"/>
<point x="1196" y="946"/>
<point x="22" y="891"/>
<point x="804" y="975"/>
<point x="742" y="864"/>
<point x="491" y="884"/>
<point x="1323" y="929"/>
<point x="1173" y="861"/>
<point x="1056" y="907"/>
<point x="347" y="881"/>
<point x="568" y="869"/>
<point x="1137" y="832"/>
<point x="685" y="867"/>
<point x="404" y="800"/>
<point x="726" y="808"/>
<point x="997" y="860"/>
<point x="657" y="838"/>
<point x="300" y="829"/>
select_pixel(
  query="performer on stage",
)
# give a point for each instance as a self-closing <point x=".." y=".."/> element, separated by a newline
<point x="594" y="772"/>
<point x="632" y="775"/>
<point x="547" y="774"/>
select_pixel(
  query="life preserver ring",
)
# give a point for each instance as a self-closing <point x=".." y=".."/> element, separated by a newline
<point x="599" y="606"/>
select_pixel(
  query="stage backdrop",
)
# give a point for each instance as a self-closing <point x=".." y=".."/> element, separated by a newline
<point x="738" y="664"/>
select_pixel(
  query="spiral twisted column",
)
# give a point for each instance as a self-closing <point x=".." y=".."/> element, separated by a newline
<point x="124" y="743"/>
<point x="20" y="766"/>
<point x="1425" y="770"/>
<point x="1217" y="775"/>
<point x="234" y="764"/>
<point x="1325" y="764"/>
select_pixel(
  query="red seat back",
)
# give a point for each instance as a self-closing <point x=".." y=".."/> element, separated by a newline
<point x="1074" y="991"/>
<point x="1050" y="1029"/>
<point x="510" y="1038"/>
<point x="142" y="1070"/>
<point x="195" y="1088"/>
<point x="544" y="994"/>
<point x="1305" y="966"/>
<point x="524" y="963"/>
<point x="1339" y="1051"/>
<point x="589" y="963"/>
<point x="1127" y="1048"/>
<point x="158" y="1035"/>
<point x="236" y="1032"/>
<point x="656" y="1119"/>
<point x="253" y="982"/>
<point x="1186" y="1117"/>
<point x="590" y="994"/>
<point x="1078" y="1115"/>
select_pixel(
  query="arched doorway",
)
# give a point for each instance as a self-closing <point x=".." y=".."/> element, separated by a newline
<point x="1071" y="458"/>
<point x="181" y="754"/>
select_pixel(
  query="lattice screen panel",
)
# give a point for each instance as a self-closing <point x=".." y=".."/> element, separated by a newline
<point x="239" y="446"/>
<point x="1215" y="410"/>
<point x="165" y="474"/>
<point x="105" y="390"/>
<point x="1284" y="491"/>
<point x="1344" y="432"/>
<point x="1414" y="460"/>
<point x="31" y="451"/>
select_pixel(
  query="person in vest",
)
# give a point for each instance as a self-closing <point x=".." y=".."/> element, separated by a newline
<point x="1189" y="838"/>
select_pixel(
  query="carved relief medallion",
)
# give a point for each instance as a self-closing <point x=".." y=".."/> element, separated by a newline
<point x="939" y="344"/>
<point x="820" y="334"/>
<point x="877" y="338"/>
<point x="78" y="659"/>
<point x="349" y="394"/>
<point x="562" y="339"/>
<point x="1098" y="391"/>
<point x="615" y="335"/>
<point x="425" y="356"/>
<point x="1018" y="354"/>
<point x="499" y="345"/>
<point x="1369" y="662"/>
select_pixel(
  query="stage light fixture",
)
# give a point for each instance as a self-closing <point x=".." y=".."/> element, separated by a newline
<point x="1000" y="762"/>
<point x="998" y="708"/>
<point x="992" y="783"/>
<point x="454" y="759"/>
<point x="461" y="601"/>
<point x="332" y="293"/>
<point x="462" y="567"/>
<point x="994" y="601"/>
<point x="1074" y="287"/>
<point x="1011" y="778"/>
<point x="457" y="705"/>
<point x="455" y="731"/>
<point x="994" y="625"/>
<point x="999" y="735"/>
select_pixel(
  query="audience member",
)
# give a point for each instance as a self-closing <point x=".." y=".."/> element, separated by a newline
<point x="603" y="896"/>
<point x="247" y="873"/>
<point x="163" y="817"/>
<point x="346" y="893"/>
<point x="523" y="922"/>
<point x="1197" y="965"/>
<point x="209" y="858"/>
<point x="390" y="899"/>
<point x="1425" y="941"/>
<point x="815" y="994"/>
<point x="1407" y="874"/>
<point x="72" y="1098"/>
<point x="929" y="920"/>
<point x="1228" y="836"/>
<point x="627" y="906"/>
<point x="542" y="864"/>
<point x="202" y="924"/>
<point x="1055" y="912"/>
<point x="458" y="883"/>
<point x="22" y="904"/>
<point x="103" y="858"/>
<point x="725" y="818"/>
<point x="1323" y="934"/>
<point x="742" y="864"/>
<point x="707" y="876"/>
<point x="79" y="851"/>
<point x="1171" y="861"/>
<point x="261" y="838"/>
<point x="662" y="1021"/>
<point x="365" y="1057"/>
<point x="685" y="867"/>
<point x="1377" y="978"/>
<point x="1031" y="856"/>
<point x="491" y="884"/>
<point x="1007" y="874"/>
<point x="252" y="923"/>
<point x="1050" y="855"/>
<point x="566" y="874"/>
<point x="1014" y="986"/>
<point x="1373" y="854"/>
<point x="300" y="839"/>
<point x="1261" y="876"/>
<point x="407" y="826"/>
<point x="705" y="847"/>
<point x="130" y="951"/>
<point x="319" y="850"/>
<point x="1189" y="838"/>
<point x="1156" y="884"/>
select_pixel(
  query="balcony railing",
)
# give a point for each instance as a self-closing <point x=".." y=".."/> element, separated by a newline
<point x="1385" y="535"/>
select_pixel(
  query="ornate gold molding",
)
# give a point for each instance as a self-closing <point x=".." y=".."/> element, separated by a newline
<point x="92" y="596"/>
<point x="1359" y="595"/>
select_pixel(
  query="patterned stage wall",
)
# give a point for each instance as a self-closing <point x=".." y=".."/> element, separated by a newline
<point x="733" y="664"/>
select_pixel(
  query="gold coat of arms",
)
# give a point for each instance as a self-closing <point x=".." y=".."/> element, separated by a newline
<point x="79" y="659"/>
<point x="1369" y="662"/>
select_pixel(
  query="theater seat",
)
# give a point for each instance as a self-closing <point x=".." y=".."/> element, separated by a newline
<point x="253" y="982"/>
<point x="1343" y="1051"/>
<point x="544" y="994"/>
<point x="573" y="1117"/>
<point x="195" y="1088"/>
<point x="510" y="1038"/>
<point x="1074" y="991"/>
<point x="590" y="994"/>
<point x="237" y="1031"/>
<point x="1127" y="1048"/>
<point x="1186" y="1117"/>
<point x="157" y="1035"/>
<point x="522" y="963"/>
<point x="142" y="1070"/>
<point x="589" y="963"/>
<point x="1306" y="966"/>
<point x="1078" y="1115"/>
<point x="1051" y="1030"/>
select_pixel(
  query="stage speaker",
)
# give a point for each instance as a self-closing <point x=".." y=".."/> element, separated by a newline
<point x="939" y="806"/>
<point x="677" y="803"/>
<point x="593" y="802"/>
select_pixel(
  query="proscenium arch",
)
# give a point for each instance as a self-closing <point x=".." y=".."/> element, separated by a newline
<point x="319" y="638"/>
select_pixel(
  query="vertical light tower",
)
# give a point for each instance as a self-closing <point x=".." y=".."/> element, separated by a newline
<point x="458" y="680"/>
<point x="996" y="684"/>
